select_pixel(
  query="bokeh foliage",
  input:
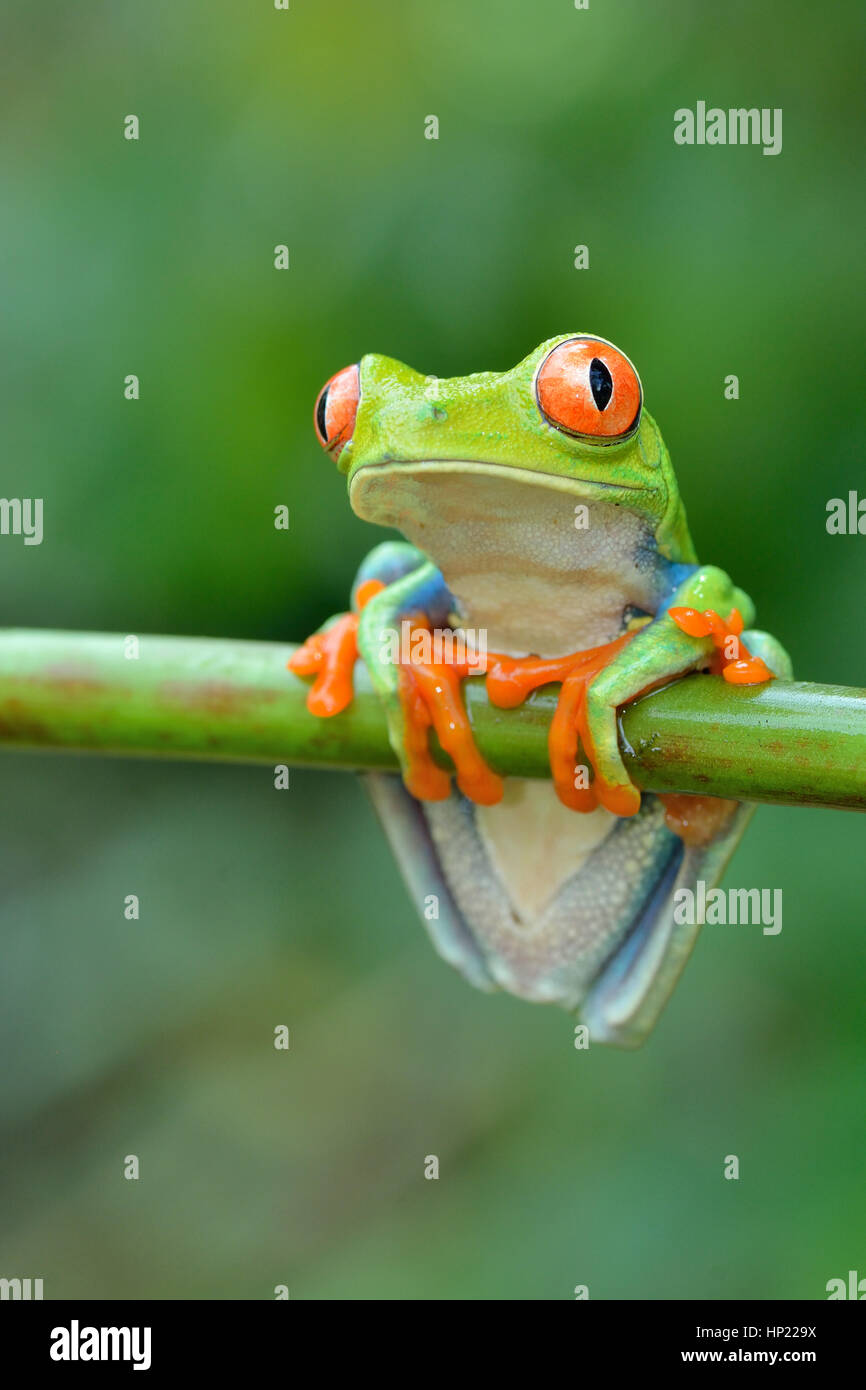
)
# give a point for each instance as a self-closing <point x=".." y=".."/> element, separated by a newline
<point x="154" y="1038"/>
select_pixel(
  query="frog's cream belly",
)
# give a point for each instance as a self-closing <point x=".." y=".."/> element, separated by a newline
<point x="535" y="843"/>
<point x="533" y="565"/>
<point x="574" y="598"/>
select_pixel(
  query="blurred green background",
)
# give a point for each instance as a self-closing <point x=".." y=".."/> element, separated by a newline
<point x="155" y="1038"/>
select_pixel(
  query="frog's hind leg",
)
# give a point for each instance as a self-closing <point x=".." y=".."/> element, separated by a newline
<point x="406" y="828"/>
<point x="555" y="908"/>
<point x="630" y="992"/>
<point x="627" y="997"/>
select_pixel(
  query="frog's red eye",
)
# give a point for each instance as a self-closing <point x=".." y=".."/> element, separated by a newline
<point x="336" y="408"/>
<point x="589" y="388"/>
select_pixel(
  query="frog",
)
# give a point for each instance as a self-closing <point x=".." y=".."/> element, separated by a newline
<point x="537" y="506"/>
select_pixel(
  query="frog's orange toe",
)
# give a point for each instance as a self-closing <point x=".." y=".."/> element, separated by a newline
<point x="563" y="741"/>
<point x="422" y="777"/>
<point x="431" y="697"/>
<point x="506" y="682"/>
<point x="510" y="680"/>
<point x="697" y="820"/>
<point x="428" y="783"/>
<point x="481" y="785"/>
<point x="329" y="656"/>
<point x="750" y="670"/>
<point x="732" y="656"/>
<point x="622" y="799"/>
<point x="690" y="621"/>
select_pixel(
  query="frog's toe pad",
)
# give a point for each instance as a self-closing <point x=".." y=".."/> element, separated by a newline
<point x="329" y="656"/>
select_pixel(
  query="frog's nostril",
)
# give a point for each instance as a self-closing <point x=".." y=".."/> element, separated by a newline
<point x="336" y="409"/>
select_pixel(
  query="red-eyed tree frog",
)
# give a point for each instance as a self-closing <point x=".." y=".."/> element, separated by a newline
<point x="540" y="509"/>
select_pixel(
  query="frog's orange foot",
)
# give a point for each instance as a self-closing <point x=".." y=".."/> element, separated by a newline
<point x="732" y="657"/>
<point x="330" y="656"/>
<point x="698" y="820"/>
<point x="510" y="680"/>
<point x="431" y="697"/>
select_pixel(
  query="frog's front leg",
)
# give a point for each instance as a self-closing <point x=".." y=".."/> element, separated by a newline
<point x="416" y="674"/>
<point x="696" y="628"/>
<point x="401" y="609"/>
<point x="331" y="652"/>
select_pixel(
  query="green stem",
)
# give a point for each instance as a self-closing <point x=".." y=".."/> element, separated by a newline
<point x="219" y="699"/>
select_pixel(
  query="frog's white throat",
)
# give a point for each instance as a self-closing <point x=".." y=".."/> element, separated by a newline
<point x="537" y="562"/>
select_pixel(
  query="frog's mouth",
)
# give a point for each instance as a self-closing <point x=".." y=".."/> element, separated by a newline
<point x="387" y="493"/>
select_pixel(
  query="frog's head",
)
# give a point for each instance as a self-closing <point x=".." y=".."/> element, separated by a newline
<point x="568" y="417"/>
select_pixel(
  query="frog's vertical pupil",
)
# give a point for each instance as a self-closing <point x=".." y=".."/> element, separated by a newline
<point x="320" y="414"/>
<point x="601" y="382"/>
